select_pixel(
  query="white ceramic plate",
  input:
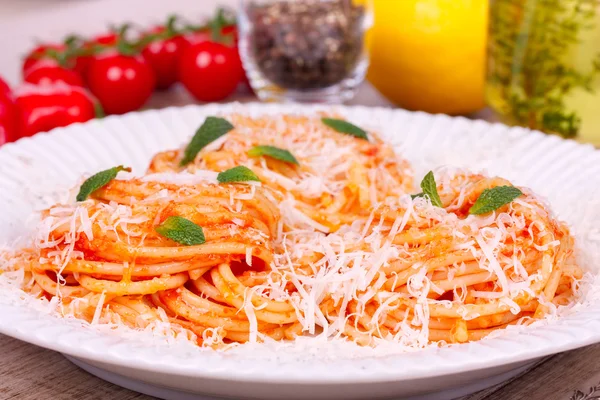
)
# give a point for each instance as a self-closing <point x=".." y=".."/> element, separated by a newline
<point x="32" y="171"/>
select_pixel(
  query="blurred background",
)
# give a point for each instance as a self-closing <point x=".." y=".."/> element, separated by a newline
<point x="533" y="63"/>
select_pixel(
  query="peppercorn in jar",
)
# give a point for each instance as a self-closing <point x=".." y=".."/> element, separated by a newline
<point x="304" y="50"/>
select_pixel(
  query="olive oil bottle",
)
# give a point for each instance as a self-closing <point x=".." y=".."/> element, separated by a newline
<point x="544" y="66"/>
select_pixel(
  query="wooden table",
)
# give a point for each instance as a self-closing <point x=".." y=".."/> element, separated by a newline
<point x="29" y="372"/>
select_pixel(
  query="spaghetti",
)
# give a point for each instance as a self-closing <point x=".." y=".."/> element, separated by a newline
<point x="337" y="176"/>
<point x="333" y="246"/>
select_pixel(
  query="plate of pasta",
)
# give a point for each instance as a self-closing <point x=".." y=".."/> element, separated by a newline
<point x="285" y="251"/>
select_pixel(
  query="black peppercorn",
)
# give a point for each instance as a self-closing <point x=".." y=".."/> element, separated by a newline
<point x="307" y="44"/>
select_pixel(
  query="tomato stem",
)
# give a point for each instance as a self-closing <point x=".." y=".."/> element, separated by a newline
<point x="170" y="28"/>
<point x="61" y="57"/>
<point x="98" y="110"/>
<point x="122" y="30"/>
<point x="216" y="27"/>
<point x="225" y="17"/>
<point x="125" y="48"/>
<point x="72" y="40"/>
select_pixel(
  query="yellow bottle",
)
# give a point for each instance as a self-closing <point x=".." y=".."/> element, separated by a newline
<point x="429" y="55"/>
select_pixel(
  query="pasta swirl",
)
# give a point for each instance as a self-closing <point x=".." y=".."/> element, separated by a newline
<point x="333" y="246"/>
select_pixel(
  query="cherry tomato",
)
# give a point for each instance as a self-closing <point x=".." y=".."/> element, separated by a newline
<point x="9" y="115"/>
<point x="3" y="135"/>
<point x="228" y="32"/>
<point x="82" y="62"/>
<point x="4" y="88"/>
<point x="39" y="54"/>
<point x="106" y="40"/>
<point x="232" y="30"/>
<point x="43" y="74"/>
<point x="210" y="71"/>
<point x="199" y="36"/>
<point x="9" y="120"/>
<point x="163" y="56"/>
<point x="121" y="83"/>
<point x="51" y="106"/>
<point x="81" y="66"/>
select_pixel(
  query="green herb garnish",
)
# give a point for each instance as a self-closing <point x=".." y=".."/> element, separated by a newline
<point x="345" y="127"/>
<point x="98" y="181"/>
<point x="492" y="199"/>
<point x="181" y="230"/>
<point x="273" y="152"/>
<point x="212" y="129"/>
<point x="237" y="174"/>
<point x="429" y="188"/>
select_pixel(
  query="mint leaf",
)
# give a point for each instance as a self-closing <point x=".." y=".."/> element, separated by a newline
<point x="237" y="174"/>
<point x="345" y="127"/>
<point x="98" y="181"/>
<point x="492" y="199"/>
<point x="273" y="152"/>
<point x="181" y="230"/>
<point x="414" y="196"/>
<point x="429" y="188"/>
<point x="212" y="129"/>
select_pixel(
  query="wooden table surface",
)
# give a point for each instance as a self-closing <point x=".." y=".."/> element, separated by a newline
<point x="29" y="372"/>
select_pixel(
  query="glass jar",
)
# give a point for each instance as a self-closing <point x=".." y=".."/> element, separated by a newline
<point x="544" y="65"/>
<point x="305" y="50"/>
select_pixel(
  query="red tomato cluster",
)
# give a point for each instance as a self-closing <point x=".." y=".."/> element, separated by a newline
<point x="8" y="115"/>
<point x="111" y="73"/>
